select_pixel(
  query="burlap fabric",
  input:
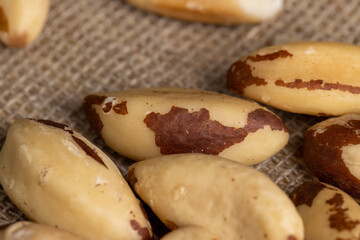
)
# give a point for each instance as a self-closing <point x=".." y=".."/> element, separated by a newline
<point x="108" y="45"/>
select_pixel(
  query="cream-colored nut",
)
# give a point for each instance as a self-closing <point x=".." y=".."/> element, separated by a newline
<point x="224" y="11"/>
<point x="189" y="232"/>
<point x="328" y="213"/>
<point x="55" y="176"/>
<point x="317" y="78"/>
<point x="145" y="123"/>
<point x="21" y="21"/>
<point x="231" y="200"/>
<point x="33" y="231"/>
<point x="332" y="152"/>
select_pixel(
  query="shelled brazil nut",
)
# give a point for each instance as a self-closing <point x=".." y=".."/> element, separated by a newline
<point x="231" y="200"/>
<point x="189" y="232"/>
<point x="22" y="21"/>
<point x="225" y="11"/>
<point x="332" y="152"/>
<point x="55" y="176"/>
<point x="144" y="123"/>
<point x="328" y="213"/>
<point x="33" y="231"/>
<point x="317" y="78"/>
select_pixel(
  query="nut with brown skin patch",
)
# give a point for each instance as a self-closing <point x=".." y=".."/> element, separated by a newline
<point x="305" y="77"/>
<point x="45" y="166"/>
<point x="328" y="213"/>
<point x="160" y="121"/>
<point x="331" y="152"/>
<point x="22" y="21"/>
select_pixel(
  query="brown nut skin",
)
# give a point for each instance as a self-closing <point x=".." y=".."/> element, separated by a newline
<point x="33" y="231"/>
<point x="331" y="152"/>
<point x="327" y="212"/>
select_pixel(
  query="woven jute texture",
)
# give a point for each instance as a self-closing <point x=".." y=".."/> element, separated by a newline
<point x="107" y="45"/>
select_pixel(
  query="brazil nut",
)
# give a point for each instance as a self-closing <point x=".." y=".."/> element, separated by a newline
<point x="316" y="78"/>
<point x="144" y="123"/>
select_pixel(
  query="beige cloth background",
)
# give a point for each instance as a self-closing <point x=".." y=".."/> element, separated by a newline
<point x="107" y="45"/>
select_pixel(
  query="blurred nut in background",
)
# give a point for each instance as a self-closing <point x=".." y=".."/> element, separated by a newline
<point x="332" y="152"/>
<point x="224" y="11"/>
<point x="21" y="21"/>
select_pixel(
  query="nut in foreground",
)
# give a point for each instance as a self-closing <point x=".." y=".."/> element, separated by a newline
<point x="230" y="200"/>
<point x="55" y="176"/>
<point x="21" y="21"/>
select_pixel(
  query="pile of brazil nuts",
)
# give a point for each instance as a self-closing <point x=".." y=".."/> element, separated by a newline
<point x="194" y="150"/>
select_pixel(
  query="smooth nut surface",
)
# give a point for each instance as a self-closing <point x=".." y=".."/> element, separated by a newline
<point x="145" y="123"/>
<point x="225" y="11"/>
<point x="190" y="232"/>
<point x="317" y="78"/>
<point x="33" y="231"/>
<point x="55" y="176"/>
<point x="21" y="21"/>
<point x="328" y="213"/>
<point x="229" y="199"/>
<point x="332" y="152"/>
